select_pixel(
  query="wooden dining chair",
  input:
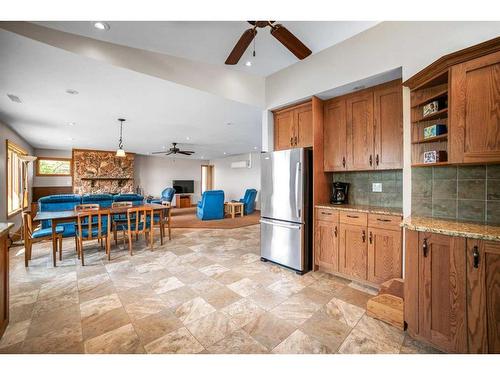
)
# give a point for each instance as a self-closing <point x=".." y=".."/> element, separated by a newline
<point x="93" y="225"/>
<point x="139" y="221"/>
<point x="32" y="236"/>
<point x="163" y="220"/>
<point x="119" y="218"/>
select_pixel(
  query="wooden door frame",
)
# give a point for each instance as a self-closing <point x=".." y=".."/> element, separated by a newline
<point x="210" y="167"/>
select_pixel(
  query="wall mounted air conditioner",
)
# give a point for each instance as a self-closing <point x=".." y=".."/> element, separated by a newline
<point x="242" y="163"/>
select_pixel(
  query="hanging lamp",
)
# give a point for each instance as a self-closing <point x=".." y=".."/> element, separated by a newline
<point x="120" y="152"/>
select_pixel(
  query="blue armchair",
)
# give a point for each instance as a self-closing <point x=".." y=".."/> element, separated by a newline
<point x="166" y="196"/>
<point x="249" y="201"/>
<point x="211" y="205"/>
<point x="103" y="200"/>
<point x="62" y="202"/>
<point x="136" y="199"/>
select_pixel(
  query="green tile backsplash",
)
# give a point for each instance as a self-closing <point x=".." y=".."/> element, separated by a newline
<point x="360" y="188"/>
<point x="470" y="193"/>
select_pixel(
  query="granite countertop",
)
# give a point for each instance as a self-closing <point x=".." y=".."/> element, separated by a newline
<point x="361" y="208"/>
<point x="5" y="227"/>
<point x="452" y="228"/>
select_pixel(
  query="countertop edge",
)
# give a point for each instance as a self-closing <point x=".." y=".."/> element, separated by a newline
<point x="366" y="209"/>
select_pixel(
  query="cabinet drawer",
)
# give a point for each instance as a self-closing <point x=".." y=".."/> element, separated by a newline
<point x="327" y="215"/>
<point x="354" y="218"/>
<point x="384" y="221"/>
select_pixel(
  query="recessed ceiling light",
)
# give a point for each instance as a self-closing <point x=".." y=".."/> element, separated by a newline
<point x="164" y="147"/>
<point x="71" y="123"/>
<point x="101" y="25"/>
<point x="72" y="92"/>
<point x="255" y="148"/>
<point x="229" y="123"/>
<point x="71" y="139"/>
<point x="225" y="153"/>
<point x="187" y="138"/>
<point x="248" y="63"/>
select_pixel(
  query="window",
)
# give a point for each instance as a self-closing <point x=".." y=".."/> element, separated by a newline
<point x="17" y="180"/>
<point x="53" y="167"/>
<point x="207" y="177"/>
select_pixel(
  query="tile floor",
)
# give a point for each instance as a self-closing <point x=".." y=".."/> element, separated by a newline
<point x="205" y="291"/>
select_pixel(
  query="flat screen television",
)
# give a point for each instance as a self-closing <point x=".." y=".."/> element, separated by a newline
<point x="183" y="186"/>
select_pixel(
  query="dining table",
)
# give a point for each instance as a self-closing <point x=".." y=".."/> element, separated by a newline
<point x="68" y="216"/>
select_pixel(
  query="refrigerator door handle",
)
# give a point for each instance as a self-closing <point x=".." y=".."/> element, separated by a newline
<point x="298" y="189"/>
<point x="278" y="224"/>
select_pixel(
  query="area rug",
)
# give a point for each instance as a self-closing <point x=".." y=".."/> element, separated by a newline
<point x="186" y="218"/>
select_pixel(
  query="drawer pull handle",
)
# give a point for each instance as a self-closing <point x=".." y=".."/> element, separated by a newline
<point x="353" y="216"/>
<point x="363" y="236"/>
<point x="335" y="231"/>
<point x="376" y="159"/>
<point x="291" y="141"/>
<point x="384" y="220"/>
<point x="475" y="256"/>
<point x="425" y="247"/>
<point x="371" y="160"/>
<point x="326" y="213"/>
<point x="370" y="238"/>
<point x="343" y="161"/>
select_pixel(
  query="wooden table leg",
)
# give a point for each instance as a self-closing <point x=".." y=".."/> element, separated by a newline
<point x="54" y="242"/>
<point x="233" y="211"/>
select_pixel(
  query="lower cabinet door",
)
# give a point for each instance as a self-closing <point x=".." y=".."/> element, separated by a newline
<point x="483" y="296"/>
<point x="326" y="245"/>
<point x="384" y="254"/>
<point x="353" y="251"/>
<point x="442" y="291"/>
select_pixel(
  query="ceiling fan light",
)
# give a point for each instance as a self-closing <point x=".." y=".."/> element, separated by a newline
<point x="120" y="153"/>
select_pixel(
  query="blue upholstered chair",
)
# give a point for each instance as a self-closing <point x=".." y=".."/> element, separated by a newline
<point x="166" y="196"/>
<point x="249" y="201"/>
<point x="62" y="202"/>
<point x="136" y="199"/>
<point x="211" y="205"/>
<point x="103" y="200"/>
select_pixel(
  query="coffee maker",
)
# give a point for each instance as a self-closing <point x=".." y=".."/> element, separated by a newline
<point x="340" y="190"/>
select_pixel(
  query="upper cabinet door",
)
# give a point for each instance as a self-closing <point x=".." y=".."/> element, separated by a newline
<point x="335" y="136"/>
<point x="303" y="129"/>
<point x="475" y="110"/>
<point x="283" y="130"/>
<point x="360" y="131"/>
<point x="388" y="127"/>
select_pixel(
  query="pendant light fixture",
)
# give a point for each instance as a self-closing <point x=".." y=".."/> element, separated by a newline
<point x="120" y="152"/>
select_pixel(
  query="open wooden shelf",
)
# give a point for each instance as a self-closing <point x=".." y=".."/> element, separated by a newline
<point x="438" y="138"/>
<point x="438" y="95"/>
<point x="434" y="116"/>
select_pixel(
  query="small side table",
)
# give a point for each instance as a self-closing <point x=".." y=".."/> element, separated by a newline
<point x="234" y="208"/>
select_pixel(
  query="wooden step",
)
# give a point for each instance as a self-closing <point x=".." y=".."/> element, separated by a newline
<point x="388" y="305"/>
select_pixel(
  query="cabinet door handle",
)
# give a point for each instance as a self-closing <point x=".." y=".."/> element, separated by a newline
<point x="370" y="238"/>
<point x="291" y="141"/>
<point x="376" y="159"/>
<point x="425" y="247"/>
<point x="335" y="231"/>
<point x="353" y="216"/>
<point x="343" y="161"/>
<point x="326" y="213"/>
<point x="384" y="220"/>
<point x="371" y="161"/>
<point x="475" y="256"/>
<point x="295" y="140"/>
<point x="363" y="236"/>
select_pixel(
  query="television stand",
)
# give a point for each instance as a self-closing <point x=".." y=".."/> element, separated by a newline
<point x="183" y="200"/>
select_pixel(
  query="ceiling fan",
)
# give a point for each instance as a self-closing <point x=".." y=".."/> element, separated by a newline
<point x="279" y="31"/>
<point x="175" y="150"/>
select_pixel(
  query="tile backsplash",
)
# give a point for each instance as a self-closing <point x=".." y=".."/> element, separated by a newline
<point x="360" y="188"/>
<point x="470" y="193"/>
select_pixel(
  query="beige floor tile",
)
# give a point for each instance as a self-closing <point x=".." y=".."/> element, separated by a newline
<point x="66" y="340"/>
<point x="178" y="296"/>
<point x="192" y="310"/>
<point x="344" y="312"/>
<point x="213" y="270"/>
<point x="133" y="294"/>
<point x="380" y="331"/>
<point x="211" y="328"/>
<point x="122" y="340"/>
<point x="353" y="296"/>
<point x="286" y="287"/>
<point x="180" y="341"/>
<point x="296" y="309"/>
<point x="269" y="330"/>
<point x="205" y="285"/>
<point x="412" y="346"/>
<point x="319" y="297"/>
<point x="54" y="320"/>
<point x="99" y="305"/>
<point x="144" y="307"/>
<point x="228" y="277"/>
<point x="243" y="311"/>
<point x="328" y="286"/>
<point x="238" y="342"/>
<point x="300" y="343"/>
<point x="244" y="287"/>
<point x="360" y="343"/>
<point x="156" y="325"/>
<point x="191" y="277"/>
<point x="15" y="333"/>
<point x="98" y="324"/>
<point x="166" y="285"/>
<point x="57" y="303"/>
<point x="325" y="329"/>
<point x="267" y="299"/>
<point x="221" y="297"/>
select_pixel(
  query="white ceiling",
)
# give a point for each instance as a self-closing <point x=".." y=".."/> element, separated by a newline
<point x="158" y="112"/>
<point x="211" y="42"/>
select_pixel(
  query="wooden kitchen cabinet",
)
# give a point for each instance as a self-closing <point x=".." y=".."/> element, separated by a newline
<point x="474" y="115"/>
<point x="293" y="127"/>
<point x="353" y="251"/>
<point x="483" y="296"/>
<point x="435" y="290"/>
<point x="4" y="277"/>
<point x="335" y="136"/>
<point x="327" y="244"/>
<point x="388" y="127"/>
<point x="364" y="130"/>
<point x="384" y="254"/>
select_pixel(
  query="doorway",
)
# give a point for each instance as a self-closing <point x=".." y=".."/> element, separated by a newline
<point x="207" y="178"/>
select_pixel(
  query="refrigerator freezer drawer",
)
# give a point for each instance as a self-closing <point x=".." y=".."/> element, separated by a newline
<point x="283" y="243"/>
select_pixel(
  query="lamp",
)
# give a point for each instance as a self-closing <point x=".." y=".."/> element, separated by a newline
<point x="120" y="152"/>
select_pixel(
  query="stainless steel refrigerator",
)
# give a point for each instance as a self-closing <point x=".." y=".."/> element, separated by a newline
<point x="286" y="208"/>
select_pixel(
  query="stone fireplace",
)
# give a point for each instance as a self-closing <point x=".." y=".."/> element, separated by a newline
<point x="99" y="172"/>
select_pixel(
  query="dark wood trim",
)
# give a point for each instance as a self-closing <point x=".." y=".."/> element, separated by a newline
<point x="37" y="167"/>
<point x="444" y="63"/>
<point x="38" y="192"/>
<point x="24" y="152"/>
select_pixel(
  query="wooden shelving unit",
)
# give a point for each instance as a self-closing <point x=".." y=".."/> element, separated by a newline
<point x="435" y="88"/>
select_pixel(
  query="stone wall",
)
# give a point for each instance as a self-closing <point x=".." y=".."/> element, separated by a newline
<point x="102" y="165"/>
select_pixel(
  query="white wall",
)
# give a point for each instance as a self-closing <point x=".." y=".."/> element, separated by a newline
<point x="51" y="180"/>
<point x="234" y="182"/>
<point x="155" y="173"/>
<point x="6" y="133"/>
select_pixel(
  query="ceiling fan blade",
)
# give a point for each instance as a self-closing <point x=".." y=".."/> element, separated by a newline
<point x="158" y="152"/>
<point x="241" y="46"/>
<point x="188" y="153"/>
<point x="290" y="41"/>
<point x="170" y="153"/>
